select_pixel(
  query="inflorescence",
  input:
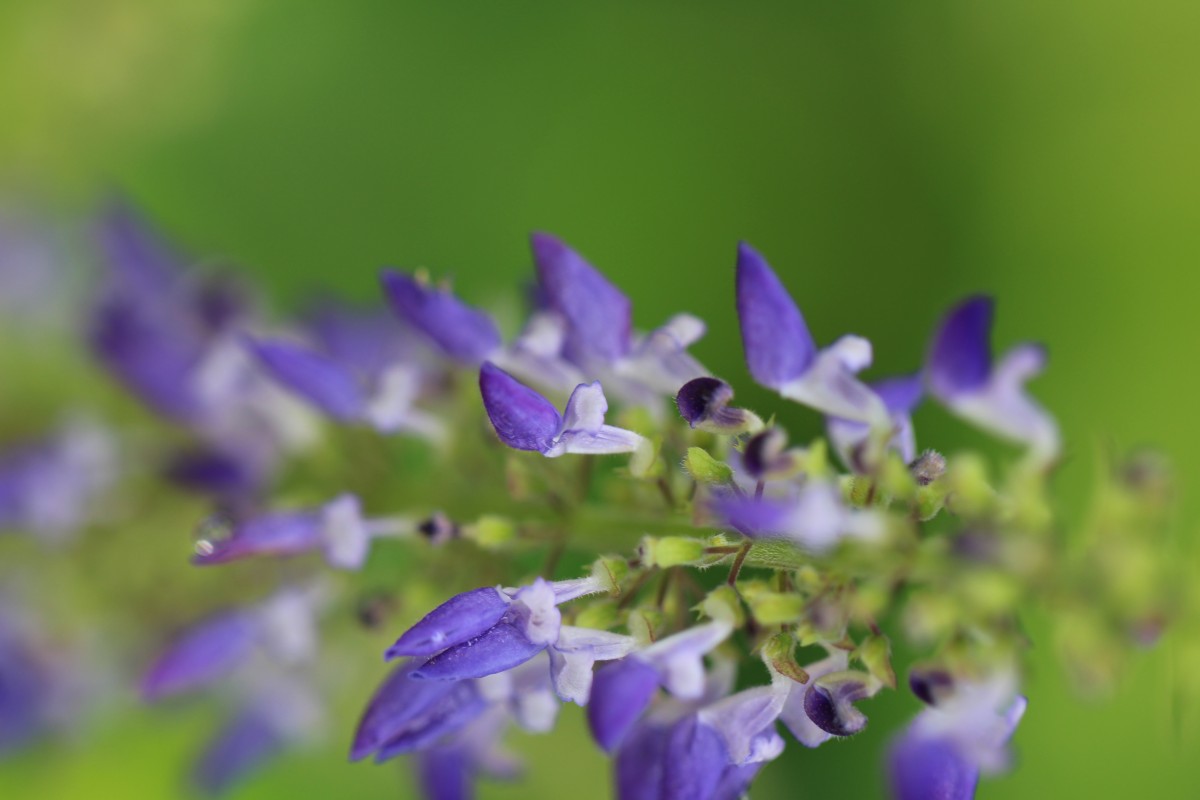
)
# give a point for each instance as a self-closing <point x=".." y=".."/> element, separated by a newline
<point x="708" y="591"/>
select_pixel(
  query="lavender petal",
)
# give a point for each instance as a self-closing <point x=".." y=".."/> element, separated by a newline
<point x="460" y="618"/>
<point x="460" y="331"/>
<point x="500" y="648"/>
<point x="523" y="419"/>
<point x="776" y="341"/>
<point x="317" y="379"/>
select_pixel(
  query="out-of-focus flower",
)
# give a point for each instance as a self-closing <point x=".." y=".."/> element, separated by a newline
<point x="275" y="714"/>
<point x="524" y="420"/>
<point x="849" y="439"/>
<point x="813" y="517"/>
<point x="337" y="529"/>
<point x="782" y="355"/>
<point x="599" y="336"/>
<point x="283" y="627"/>
<point x="960" y="373"/>
<point x="963" y="735"/>
<point x="38" y="693"/>
<point x="53" y="487"/>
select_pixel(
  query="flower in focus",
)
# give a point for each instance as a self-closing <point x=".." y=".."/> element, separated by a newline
<point x="524" y="420"/>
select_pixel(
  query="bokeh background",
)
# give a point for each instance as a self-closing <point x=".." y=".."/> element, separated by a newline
<point x="887" y="157"/>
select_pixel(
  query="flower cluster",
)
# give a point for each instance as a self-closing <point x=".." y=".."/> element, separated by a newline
<point x="741" y="591"/>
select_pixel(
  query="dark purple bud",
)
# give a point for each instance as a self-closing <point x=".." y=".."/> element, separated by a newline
<point x="502" y="647"/>
<point x="450" y="714"/>
<point x="438" y="528"/>
<point x="463" y="333"/>
<point x="775" y="338"/>
<point x="704" y="403"/>
<point x="315" y="378"/>
<point x="460" y="618"/>
<point x="204" y="654"/>
<point x="922" y="768"/>
<point x="598" y="314"/>
<point x="960" y="357"/>
<point x="829" y="702"/>
<point x="930" y="684"/>
<point x="621" y="691"/>
<point x="523" y="419"/>
<point x="241" y="747"/>
<point x="695" y="763"/>
<point x="396" y="704"/>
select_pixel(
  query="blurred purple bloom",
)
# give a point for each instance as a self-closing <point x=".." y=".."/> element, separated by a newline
<point x="205" y="653"/>
<point x="337" y="529"/>
<point x="384" y="400"/>
<point x="271" y="719"/>
<point x="900" y="396"/>
<point x="599" y="335"/>
<point x="949" y="745"/>
<point x="960" y="373"/>
<point x="459" y="331"/>
<point x="52" y="487"/>
<point x="37" y="693"/>
<point x="282" y="626"/>
<point x="367" y="341"/>
<point x="524" y="420"/>
<point x="814" y="517"/>
<point x="781" y="354"/>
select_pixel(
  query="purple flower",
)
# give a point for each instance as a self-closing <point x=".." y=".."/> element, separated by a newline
<point x="781" y="354"/>
<point x="624" y="690"/>
<point x="283" y="627"/>
<point x="459" y="619"/>
<point x="459" y="331"/>
<point x="336" y="529"/>
<point x="274" y="718"/>
<point x="52" y="487"/>
<point x="794" y="714"/>
<point x="900" y="396"/>
<point x="949" y="745"/>
<point x="37" y="692"/>
<point x="524" y="420"/>
<point x="599" y="333"/>
<point x="384" y="400"/>
<point x="814" y="517"/>
<point x="960" y="373"/>
<point x="367" y="341"/>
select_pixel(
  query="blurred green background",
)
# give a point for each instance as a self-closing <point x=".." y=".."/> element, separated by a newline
<point x="886" y="157"/>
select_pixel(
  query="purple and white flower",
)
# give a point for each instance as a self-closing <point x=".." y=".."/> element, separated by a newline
<point x="525" y="420"/>
<point x="337" y="530"/>
<point x="782" y="355"/>
<point x="852" y="440"/>
<point x="283" y="627"/>
<point x="814" y="517"/>
<point x="950" y="744"/>
<point x="599" y="336"/>
<point x="959" y="372"/>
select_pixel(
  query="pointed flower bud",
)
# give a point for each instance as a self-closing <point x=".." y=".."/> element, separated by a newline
<point x="781" y="354"/>
<point x="458" y="330"/>
<point x="460" y="618"/>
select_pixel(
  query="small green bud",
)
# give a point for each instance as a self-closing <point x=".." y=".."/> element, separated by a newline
<point x="774" y="608"/>
<point x="875" y="653"/>
<point x="706" y="469"/>
<point x="863" y="491"/>
<point x="895" y="479"/>
<point x="612" y="570"/>
<point x="723" y="605"/>
<point x="970" y="494"/>
<point x="930" y="500"/>
<point x="671" y="551"/>
<point x="643" y="623"/>
<point x="491" y="532"/>
<point x="779" y="653"/>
